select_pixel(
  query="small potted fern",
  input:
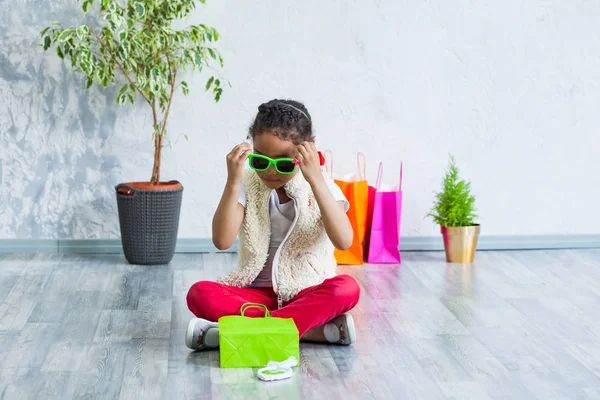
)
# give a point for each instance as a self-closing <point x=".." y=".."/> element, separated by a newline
<point x="454" y="210"/>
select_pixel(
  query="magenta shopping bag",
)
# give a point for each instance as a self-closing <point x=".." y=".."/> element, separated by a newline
<point x="384" y="240"/>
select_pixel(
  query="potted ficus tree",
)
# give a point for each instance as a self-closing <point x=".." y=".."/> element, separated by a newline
<point x="454" y="210"/>
<point x="133" y="44"/>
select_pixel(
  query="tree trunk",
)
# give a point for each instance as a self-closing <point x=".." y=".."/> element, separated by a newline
<point x="157" y="154"/>
<point x="155" y="178"/>
<point x="159" y="131"/>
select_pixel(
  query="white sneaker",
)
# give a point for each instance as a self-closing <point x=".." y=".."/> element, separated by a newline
<point x="341" y="330"/>
<point x="202" y="334"/>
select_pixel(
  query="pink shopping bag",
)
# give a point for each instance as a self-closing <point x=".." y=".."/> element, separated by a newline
<point x="384" y="240"/>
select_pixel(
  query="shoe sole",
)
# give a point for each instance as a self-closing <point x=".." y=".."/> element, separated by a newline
<point x="351" y="328"/>
<point x="189" y="334"/>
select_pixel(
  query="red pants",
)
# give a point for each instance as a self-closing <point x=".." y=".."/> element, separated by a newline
<point x="314" y="306"/>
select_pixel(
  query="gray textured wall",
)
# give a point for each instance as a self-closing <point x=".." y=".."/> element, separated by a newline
<point x="510" y="87"/>
<point x="56" y="161"/>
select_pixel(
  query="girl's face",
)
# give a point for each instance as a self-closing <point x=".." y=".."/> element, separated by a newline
<point x="274" y="147"/>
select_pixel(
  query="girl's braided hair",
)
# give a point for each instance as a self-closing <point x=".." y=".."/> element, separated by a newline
<point x="287" y="119"/>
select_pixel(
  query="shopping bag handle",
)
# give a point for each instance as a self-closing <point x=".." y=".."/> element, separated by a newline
<point x="246" y="306"/>
<point x="379" y="175"/>
<point x="363" y="176"/>
<point x="400" y="186"/>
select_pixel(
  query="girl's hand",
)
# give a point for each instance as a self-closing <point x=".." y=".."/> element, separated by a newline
<point x="236" y="161"/>
<point x="310" y="164"/>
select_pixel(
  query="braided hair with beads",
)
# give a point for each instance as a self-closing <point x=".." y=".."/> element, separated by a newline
<point x="286" y="119"/>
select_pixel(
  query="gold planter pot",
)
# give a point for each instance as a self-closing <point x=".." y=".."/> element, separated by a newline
<point x="460" y="243"/>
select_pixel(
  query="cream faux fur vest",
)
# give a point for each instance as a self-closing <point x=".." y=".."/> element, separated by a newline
<point x="305" y="257"/>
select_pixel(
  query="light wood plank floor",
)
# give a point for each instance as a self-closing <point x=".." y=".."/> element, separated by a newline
<point x="515" y="325"/>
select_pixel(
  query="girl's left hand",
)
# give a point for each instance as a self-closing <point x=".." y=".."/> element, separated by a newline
<point x="310" y="163"/>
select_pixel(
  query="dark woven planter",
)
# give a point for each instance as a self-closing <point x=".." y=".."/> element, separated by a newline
<point x="149" y="222"/>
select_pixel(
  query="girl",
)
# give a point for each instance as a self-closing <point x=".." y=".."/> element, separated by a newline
<point x="289" y="218"/>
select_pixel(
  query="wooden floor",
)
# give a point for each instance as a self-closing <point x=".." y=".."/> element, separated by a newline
<point x="515" y="325"/>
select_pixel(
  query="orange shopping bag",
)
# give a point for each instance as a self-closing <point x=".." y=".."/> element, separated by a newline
<point x="356" y="191"/>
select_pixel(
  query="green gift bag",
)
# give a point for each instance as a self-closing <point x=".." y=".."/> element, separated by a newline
<point x="252" y="342"/>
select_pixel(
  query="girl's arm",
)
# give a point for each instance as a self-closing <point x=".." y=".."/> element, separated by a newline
<point x="229" y="216"/>
<point x="336" y="222"/>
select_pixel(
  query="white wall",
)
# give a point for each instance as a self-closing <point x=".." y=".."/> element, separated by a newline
<point x="511" y="88"/>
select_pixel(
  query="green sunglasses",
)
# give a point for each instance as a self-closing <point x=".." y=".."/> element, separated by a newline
<point x="261" y="163"/>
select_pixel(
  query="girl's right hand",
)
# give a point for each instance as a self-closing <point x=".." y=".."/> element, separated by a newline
<point x="236" y="161"/>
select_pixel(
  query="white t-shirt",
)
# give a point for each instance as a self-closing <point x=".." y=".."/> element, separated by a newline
<point x="282" y="216"/>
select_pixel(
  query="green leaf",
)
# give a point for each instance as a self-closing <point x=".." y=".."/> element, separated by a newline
<point x="121" y="94"/>
<point x="126" y="48"/>
<point x="141" y="79"/>
<point x="117" y="20"/>
<point x="186" y="138"/>
<point x="212" y="53"/>
<point x="130" y="98"/>
<point x="65" y="35"/>
<point x="140" y="10"/>
<point x="85" y="55"/>
<point x="86" y="6"/>
<point x="59" y="52"/>
<point x="198" y="60"/>
<point x="139" y="43"/>
<point x="88" y="82"/>
<point x="210" y="82"/>
<point x="163" y="100"/>
<point x="86" y="66"/>
<point x="47" y="42"/>
<point x="80" y="32"/>
<point x="154" y="79"/>
<point x="43" y="32"/>
<point x="184" y="88"/>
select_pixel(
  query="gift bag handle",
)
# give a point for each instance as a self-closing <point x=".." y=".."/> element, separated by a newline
<point x="327" y="164"/>
<point x="379" y="175"/>
<point x="400" y="187"/>
<point x="363" y="176"/>
<point x="246" y="306"/>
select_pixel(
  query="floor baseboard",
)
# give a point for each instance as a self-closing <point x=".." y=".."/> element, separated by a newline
<point x="204" y="245"/>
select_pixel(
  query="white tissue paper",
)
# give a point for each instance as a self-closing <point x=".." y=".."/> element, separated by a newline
<point x="276" y="371"/>
<point x="388" y="188"/>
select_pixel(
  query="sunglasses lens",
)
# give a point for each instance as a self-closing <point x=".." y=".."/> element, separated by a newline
<point x="286" y="167"/>
<point x="259" y="163"/>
